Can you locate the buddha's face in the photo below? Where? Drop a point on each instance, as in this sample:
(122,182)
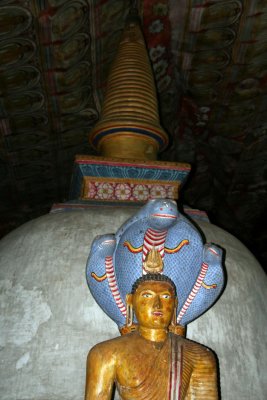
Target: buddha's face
(153,304)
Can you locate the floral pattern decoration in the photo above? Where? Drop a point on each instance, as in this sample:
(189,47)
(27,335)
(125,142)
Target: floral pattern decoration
(124,191)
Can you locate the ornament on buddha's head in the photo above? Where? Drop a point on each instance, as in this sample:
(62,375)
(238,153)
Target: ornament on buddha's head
(153,262)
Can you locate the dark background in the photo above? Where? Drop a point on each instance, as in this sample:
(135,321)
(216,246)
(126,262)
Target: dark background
(210,65)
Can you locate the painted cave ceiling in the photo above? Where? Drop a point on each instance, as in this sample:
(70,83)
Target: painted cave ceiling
(210,65)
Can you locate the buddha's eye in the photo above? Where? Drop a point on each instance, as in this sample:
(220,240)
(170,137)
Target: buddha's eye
(146,295)
(166,296)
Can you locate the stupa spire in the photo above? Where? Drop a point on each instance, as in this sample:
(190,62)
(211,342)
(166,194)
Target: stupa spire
(129,126)
(128,135)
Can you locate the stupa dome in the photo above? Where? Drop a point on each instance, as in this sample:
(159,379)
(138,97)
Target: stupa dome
(49,319)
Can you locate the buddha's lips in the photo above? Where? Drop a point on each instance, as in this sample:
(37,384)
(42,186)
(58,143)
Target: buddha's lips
(158,313)
(164,216)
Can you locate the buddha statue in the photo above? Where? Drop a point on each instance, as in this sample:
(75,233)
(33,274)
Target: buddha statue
(153,277)
(151,362)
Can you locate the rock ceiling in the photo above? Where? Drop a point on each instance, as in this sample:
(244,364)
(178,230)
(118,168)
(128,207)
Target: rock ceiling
(210,64)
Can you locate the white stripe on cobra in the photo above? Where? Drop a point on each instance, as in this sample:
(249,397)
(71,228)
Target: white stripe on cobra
(175,379)
(154,238)
(213,251)
(194,291)
(113,285)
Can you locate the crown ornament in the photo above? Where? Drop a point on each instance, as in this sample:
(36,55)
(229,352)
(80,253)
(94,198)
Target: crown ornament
(158,239)
(153,262)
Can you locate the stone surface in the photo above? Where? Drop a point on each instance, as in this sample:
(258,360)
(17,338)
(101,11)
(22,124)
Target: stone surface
(49,320)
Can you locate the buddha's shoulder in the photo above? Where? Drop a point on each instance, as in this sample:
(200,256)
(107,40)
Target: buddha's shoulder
(197,350)
(113,346)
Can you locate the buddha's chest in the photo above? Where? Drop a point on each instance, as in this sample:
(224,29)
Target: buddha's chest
(155,375)
(135,368)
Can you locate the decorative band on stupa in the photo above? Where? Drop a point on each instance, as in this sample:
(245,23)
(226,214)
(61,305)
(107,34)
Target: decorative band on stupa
(129,126)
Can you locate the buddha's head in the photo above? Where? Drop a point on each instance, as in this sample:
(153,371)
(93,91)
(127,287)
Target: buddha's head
(154,301)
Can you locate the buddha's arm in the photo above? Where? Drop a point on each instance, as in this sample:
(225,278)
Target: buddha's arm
(203,383)
(100,374)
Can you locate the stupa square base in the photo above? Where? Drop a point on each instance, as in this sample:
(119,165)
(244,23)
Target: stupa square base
(102,179)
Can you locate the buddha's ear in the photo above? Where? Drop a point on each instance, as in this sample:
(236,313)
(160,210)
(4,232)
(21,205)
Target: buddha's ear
(174,316)
(129,310)
(129,299)
(176,302)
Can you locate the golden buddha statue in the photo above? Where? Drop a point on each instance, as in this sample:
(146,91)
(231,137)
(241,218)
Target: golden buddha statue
(151,363)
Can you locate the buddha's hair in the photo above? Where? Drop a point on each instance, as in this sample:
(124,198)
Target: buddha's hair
(153,278)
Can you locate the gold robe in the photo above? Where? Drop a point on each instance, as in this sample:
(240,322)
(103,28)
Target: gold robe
(182,370)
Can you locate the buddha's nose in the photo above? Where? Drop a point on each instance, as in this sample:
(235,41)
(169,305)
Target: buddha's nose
(157,302)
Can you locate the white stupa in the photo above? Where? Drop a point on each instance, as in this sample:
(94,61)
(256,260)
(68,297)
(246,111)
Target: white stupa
(49,320)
